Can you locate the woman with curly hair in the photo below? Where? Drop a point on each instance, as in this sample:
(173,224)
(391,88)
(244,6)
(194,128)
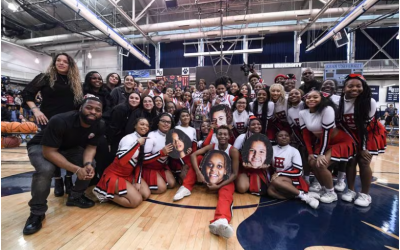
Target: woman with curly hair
(317,120)
(357,115)
(113,80)
(61,91)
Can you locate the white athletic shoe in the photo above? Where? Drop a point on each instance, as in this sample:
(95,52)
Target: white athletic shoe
(222,228)
(363,200)
(182,193)
(340,186)
(315,187)
(328,197)
(349,195)
(314,195)
(312,202)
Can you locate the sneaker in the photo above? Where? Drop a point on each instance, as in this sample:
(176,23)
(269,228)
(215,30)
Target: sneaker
(102,198)
(311,201)
(363,200)
(314,195)
(33,224)
(181,193)
(315,187)
(328,197)
(340,186)
(349,195)
(82,201)
(222,228)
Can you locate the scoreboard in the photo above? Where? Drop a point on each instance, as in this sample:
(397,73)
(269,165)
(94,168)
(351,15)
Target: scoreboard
(339,71)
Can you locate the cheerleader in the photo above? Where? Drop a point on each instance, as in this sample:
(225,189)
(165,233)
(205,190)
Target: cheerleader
(198,94)
(249,179)
(296,104)
(245,90)
(187,100)
(287,181)
(156,173)
(201,110)
(222,96)
(257,87)
(117,182)
(204,131)
(263,109)
(234,90)
(357,115)
(213,91)
(318,120)
(277,92)
(290,83)
(241,114)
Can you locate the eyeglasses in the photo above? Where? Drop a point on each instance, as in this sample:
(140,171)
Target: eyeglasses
(96,78)
(165,122)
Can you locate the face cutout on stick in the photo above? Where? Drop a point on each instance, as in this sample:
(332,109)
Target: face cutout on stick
(221,115)
(180,141)
(216,166)
(257,150)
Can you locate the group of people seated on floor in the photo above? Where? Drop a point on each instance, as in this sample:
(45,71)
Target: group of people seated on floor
(230,126)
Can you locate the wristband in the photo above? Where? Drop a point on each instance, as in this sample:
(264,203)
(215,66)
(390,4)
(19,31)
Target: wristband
(87,163)
(34,108)
(76,172)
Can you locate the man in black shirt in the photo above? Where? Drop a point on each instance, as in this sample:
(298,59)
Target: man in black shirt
(309,81)
(69,142)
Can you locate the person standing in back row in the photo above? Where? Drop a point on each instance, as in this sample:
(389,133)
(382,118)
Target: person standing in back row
(309,81)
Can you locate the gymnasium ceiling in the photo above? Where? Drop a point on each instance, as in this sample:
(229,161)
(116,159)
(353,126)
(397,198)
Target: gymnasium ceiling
(41,18)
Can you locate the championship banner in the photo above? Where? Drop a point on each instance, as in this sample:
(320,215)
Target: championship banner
(392,94)
(175,80)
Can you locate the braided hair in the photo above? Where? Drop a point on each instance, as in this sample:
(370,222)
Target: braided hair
(264,112)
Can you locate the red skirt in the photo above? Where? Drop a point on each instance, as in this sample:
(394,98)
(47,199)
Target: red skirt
(376,142)
(342,147)
(300,183)
(254,175)
(149,173)
(107,184)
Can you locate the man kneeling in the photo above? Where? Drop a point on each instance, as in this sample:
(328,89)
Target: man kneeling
(60,145)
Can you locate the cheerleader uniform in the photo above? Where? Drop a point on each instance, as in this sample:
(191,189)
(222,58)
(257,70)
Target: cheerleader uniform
(253,174)
(176,164)
(342,145)
(202,111)
(197,95)
(225,100)
(281,114)
(286,161)
(270,118)
(151,93)
(155,161)
(241,121)
(294,122)
(375,142)
(225,193)
(122,168)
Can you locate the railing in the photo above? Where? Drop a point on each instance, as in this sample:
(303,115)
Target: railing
(373,65)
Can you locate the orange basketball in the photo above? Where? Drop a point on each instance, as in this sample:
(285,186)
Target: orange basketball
(11,142)
(13,127)
(4,126)
(28,127)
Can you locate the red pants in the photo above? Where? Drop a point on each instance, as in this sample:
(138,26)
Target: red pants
(225,193)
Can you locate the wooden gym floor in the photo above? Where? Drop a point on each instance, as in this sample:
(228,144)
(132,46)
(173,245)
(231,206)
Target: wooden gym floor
(162,224)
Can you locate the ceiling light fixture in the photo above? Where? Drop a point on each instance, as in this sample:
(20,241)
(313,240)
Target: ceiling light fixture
(12,7)
(37,60)
(89,55)
(299,40)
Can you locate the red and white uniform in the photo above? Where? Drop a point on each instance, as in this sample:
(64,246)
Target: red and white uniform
(375,143)
(225,193)
(270,124)
(122,168)
(286,161)
(322,124)
(281,115)
(294,120)
(253,174)
(241,121)
(151,93)
(226,99)
(197,95)
(155,161)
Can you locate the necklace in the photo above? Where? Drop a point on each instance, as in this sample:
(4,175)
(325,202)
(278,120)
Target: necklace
(64,80)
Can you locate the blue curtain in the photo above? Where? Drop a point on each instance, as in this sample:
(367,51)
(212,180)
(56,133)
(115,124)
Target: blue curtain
(277,48)
(172,55)
(324,52)
(365,49)
(132,63)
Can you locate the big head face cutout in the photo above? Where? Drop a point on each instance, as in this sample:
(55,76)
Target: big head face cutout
(257,150)
(221,115)
(180,141)
(216,166)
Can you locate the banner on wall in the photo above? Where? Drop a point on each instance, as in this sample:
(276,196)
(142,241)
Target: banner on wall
(392,94)
(175,80)
(375,92)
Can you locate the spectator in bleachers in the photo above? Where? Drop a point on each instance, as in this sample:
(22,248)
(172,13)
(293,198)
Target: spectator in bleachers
(5,114)
(14,113)
(395,120)
(387,118)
